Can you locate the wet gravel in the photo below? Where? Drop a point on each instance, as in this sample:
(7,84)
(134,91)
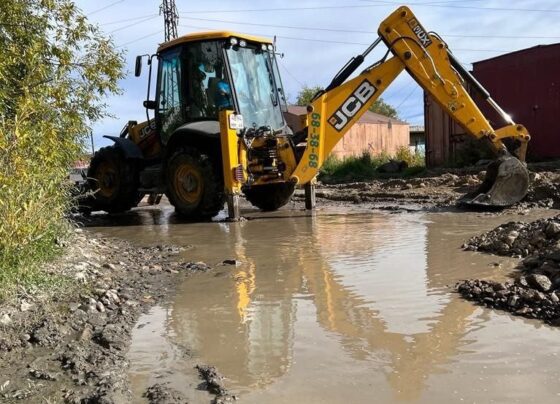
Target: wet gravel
(71,346)
(535,291)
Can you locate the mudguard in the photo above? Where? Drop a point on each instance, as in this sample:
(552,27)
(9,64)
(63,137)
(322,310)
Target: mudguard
(128,147)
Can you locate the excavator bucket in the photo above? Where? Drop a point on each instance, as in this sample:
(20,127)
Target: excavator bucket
(506,183)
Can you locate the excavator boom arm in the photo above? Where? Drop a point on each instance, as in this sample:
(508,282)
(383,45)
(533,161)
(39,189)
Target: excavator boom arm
(427,59)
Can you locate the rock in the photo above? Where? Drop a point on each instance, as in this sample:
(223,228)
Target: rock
(540,282)
(25,306)
(513,301)
(163,394)
(113,336)
(86,334)
(554,297)
(231,262)
(5,319)
(393,166)
(552,229)
(212,378)
(81,277)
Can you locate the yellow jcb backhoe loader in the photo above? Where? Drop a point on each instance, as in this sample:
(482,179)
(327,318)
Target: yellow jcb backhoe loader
(219,129)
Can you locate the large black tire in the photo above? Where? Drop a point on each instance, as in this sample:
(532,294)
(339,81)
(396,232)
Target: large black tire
(194,184)
(270,196)
(113,180)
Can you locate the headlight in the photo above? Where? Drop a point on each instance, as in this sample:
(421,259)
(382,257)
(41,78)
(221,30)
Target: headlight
(243,43)
(233,41)
(263,46)
(270,47)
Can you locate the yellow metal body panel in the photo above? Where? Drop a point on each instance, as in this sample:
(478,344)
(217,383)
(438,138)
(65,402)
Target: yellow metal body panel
(425,57)
(230,153)
(205,36)
(146,138)
(337,110)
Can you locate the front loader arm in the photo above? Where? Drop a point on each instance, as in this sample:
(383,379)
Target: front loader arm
(426,58)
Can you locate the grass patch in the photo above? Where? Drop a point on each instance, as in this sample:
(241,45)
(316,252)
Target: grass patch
(365,167)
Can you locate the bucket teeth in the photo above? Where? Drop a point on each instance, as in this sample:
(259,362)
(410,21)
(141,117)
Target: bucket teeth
(506,183)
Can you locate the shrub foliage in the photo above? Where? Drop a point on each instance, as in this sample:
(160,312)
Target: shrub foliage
(55,70)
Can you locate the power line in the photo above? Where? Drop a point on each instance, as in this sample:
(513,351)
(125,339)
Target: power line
(128,19)
(105,7)
(407,97)
(290,73)
(139,39)
(361,31)
(340,42)
(133,24)
(380,2)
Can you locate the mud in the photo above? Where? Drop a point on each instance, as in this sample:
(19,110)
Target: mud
(72,346)
(438,189)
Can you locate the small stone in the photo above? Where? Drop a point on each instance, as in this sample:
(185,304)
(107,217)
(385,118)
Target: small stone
(5,319)
(100,307)
(513,300)
(554,297)
(231,262)
(25,306)
(109,266)
(86,334)
(80,277)
(552,229)
(540,282)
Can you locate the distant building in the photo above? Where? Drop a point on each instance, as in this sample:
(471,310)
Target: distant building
(373,133)
(526,84)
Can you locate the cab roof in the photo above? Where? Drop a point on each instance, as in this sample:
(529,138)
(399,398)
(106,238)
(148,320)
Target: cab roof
(208,35)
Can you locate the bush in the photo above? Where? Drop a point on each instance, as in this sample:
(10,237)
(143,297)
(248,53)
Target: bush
(365,166)
(55,71)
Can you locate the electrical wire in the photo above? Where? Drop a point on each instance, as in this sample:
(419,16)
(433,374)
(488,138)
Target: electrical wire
(381,2)
(333,41)
(290,73)
(349,31)
(104,8)
(139,39)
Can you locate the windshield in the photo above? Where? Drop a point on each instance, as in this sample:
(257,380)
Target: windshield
(255,87)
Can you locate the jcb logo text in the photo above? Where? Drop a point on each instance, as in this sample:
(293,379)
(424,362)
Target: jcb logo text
(352,105)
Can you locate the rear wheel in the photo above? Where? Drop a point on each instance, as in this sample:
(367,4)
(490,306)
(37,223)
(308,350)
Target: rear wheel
(194,186)
(270,196)
(113,179)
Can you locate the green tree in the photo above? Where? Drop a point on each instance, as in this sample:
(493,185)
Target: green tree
(383,108)
(55,71)
(307,93)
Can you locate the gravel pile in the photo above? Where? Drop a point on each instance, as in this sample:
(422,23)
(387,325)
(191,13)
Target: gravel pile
(518,239)
(535,292)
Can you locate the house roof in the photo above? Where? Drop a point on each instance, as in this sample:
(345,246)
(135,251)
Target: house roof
(367,117)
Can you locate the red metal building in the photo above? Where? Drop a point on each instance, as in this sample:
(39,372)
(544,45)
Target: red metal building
(526,84)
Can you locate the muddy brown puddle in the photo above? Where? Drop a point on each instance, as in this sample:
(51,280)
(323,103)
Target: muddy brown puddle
(340,307)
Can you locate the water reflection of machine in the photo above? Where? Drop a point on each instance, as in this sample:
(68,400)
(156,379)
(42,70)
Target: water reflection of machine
(249,334)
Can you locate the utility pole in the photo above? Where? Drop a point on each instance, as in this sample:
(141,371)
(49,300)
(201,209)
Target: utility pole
(170,18)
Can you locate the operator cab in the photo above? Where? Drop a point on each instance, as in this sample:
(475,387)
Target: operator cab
(201,74)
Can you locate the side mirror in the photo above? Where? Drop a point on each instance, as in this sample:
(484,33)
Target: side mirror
(149,104)
(138,66)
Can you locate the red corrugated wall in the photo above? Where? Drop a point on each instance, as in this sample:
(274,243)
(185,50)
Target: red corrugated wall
(526,84)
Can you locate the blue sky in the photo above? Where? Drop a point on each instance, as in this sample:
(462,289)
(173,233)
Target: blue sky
(320,37)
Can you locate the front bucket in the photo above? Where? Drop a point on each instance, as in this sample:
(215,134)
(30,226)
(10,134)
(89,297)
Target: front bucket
(506,183)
